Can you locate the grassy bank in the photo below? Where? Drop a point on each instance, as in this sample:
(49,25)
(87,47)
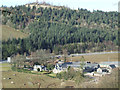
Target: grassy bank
(8,32)
(96,58)
(5,67)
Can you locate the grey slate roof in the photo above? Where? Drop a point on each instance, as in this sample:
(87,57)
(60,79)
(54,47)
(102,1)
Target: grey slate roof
(77,65)
(112,66)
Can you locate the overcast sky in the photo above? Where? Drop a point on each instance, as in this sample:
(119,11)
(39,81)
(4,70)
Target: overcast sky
(104,5)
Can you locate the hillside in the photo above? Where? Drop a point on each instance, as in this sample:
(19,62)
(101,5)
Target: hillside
(62,29)
(8,32)
(22,16)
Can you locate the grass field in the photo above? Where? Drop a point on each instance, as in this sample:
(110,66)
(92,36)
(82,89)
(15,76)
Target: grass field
(5,67)
(52,75)
(96,58)
(26,80)
(39,73)
(8,32)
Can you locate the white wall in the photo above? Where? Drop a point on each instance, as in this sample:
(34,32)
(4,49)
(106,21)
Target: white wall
(9,59)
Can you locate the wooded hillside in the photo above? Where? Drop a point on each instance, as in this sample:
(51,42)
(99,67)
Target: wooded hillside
(77,31)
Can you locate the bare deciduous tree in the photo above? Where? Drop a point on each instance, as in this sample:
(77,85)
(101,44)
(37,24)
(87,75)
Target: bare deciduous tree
(65,54)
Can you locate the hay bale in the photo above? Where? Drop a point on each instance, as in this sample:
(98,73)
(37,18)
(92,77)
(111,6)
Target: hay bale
(38,83)
(12,82)
(4,78)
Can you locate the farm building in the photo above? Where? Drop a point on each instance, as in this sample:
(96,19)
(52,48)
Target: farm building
(92,65)
(59,67)
(107,69)
(39,68)
(89,69)
(106,64)
(112,66)
(102,70)
(9,59)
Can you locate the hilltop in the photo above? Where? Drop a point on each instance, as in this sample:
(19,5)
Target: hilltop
(26,14)
(43,5)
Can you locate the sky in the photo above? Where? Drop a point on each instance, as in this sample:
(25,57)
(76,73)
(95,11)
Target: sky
(104,5)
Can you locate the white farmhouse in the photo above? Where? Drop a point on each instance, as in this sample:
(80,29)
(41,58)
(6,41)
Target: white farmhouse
(102,70)
(58,68)
(88,67)
(39,68)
